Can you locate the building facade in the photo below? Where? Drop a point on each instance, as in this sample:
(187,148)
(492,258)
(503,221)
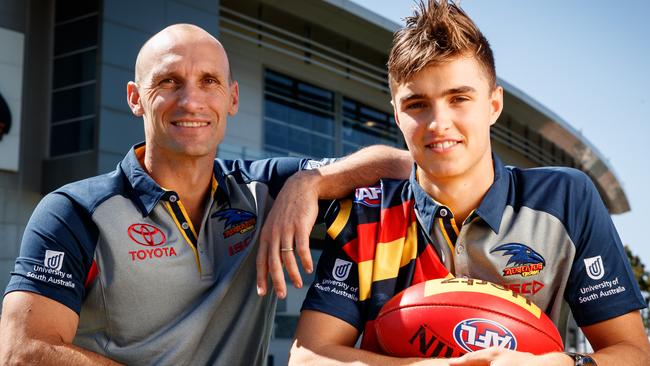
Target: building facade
(312,83)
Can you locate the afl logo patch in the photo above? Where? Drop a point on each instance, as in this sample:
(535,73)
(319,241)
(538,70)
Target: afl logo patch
(368,196)
(475,334)
(147,235)
(341,269)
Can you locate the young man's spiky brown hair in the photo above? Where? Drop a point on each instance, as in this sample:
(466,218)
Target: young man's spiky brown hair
(437,32)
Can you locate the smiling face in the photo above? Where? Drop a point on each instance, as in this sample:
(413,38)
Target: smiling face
(183,92)
(445,112)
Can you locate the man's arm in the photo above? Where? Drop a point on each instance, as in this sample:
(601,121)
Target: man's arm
(618,341)
(322,339)
(35,330)
(295,209)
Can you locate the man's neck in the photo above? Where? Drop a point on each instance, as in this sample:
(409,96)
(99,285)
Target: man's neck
(462,194)
(189,177)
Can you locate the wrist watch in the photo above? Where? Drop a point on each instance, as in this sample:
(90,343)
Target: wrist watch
(581,360)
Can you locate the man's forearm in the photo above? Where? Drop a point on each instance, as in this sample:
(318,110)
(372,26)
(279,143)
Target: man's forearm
(38,352)
(363,168)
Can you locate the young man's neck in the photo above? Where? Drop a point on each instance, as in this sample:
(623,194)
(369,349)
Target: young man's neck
(189,177)
(462,194)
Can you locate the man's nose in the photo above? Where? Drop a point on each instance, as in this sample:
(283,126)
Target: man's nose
(192,97)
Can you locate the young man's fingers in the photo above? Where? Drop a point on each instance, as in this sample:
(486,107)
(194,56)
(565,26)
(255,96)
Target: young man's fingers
(275,259)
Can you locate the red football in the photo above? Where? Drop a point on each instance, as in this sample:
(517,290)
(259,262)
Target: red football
(450,317)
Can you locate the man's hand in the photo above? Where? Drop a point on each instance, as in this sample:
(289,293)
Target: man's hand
(289,223)
(286,232)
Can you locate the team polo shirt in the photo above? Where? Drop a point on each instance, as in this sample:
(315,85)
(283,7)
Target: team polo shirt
(544,233)
(150,288)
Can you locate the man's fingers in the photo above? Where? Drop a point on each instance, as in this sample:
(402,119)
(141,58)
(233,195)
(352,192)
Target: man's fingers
(261,265)
(302,249)
(291,265)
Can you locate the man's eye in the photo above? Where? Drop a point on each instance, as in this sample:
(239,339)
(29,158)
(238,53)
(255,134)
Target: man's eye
(167,82)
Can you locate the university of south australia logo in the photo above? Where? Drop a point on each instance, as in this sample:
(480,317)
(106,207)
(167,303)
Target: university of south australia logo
(341,269)
(523,260)
(594,267)
(53,259)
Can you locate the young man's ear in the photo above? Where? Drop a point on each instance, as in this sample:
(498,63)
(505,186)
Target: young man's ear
(133,98)
(395,114)
(496,104)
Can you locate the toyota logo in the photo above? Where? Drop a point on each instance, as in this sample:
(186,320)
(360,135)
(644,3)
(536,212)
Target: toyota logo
(147,235)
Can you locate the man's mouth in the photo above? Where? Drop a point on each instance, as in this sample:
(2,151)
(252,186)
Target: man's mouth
(190,124)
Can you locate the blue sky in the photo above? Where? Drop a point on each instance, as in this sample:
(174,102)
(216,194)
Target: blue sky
(587,61)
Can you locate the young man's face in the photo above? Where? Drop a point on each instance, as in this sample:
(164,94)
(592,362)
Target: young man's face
(445,113)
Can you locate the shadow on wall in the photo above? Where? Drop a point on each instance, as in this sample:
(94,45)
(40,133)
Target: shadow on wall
(5,117)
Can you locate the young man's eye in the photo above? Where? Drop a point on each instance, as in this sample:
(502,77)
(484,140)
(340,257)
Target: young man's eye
(414,106)
(459,99)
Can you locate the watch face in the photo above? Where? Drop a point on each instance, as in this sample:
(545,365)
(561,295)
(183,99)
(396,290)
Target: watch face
(584,360)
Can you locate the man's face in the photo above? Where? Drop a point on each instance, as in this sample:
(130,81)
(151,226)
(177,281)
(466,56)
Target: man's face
(445,113)
(184,96)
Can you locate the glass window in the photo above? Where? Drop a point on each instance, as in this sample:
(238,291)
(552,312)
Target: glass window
(72,137)
(74,69)
(76,33)
(364,125)
(72,103)
(299,118)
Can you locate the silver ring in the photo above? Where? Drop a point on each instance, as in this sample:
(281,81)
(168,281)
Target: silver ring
(286,249)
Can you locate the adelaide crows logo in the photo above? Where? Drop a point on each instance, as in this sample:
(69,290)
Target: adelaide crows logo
(523,260)
(237,221)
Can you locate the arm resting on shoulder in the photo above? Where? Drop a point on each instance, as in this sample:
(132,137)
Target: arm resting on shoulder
(36,330)
(295,209)
(322,340)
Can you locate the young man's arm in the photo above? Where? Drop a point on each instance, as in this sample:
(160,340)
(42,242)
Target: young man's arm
(322,339)
(36,330)
(295,209)
(617,341)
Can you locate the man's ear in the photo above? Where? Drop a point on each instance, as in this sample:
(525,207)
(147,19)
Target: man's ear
(234,98)
(133,98)
(496,104)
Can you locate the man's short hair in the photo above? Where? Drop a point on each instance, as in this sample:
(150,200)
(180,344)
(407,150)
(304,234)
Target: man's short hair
(437,32)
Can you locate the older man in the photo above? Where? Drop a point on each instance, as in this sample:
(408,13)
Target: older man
(154,263)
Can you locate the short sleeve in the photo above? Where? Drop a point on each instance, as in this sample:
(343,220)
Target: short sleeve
(335,290)
(601,285)
(56,252)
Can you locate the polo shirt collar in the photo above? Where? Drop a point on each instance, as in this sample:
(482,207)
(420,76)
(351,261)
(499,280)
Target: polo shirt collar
(494,203)
(146,192)
(490,209)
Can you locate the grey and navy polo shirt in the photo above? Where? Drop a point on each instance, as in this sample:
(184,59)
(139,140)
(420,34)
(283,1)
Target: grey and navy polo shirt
(544,233)
(150,288)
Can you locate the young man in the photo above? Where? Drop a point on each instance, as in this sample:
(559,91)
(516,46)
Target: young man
(154,263)
(462,212)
